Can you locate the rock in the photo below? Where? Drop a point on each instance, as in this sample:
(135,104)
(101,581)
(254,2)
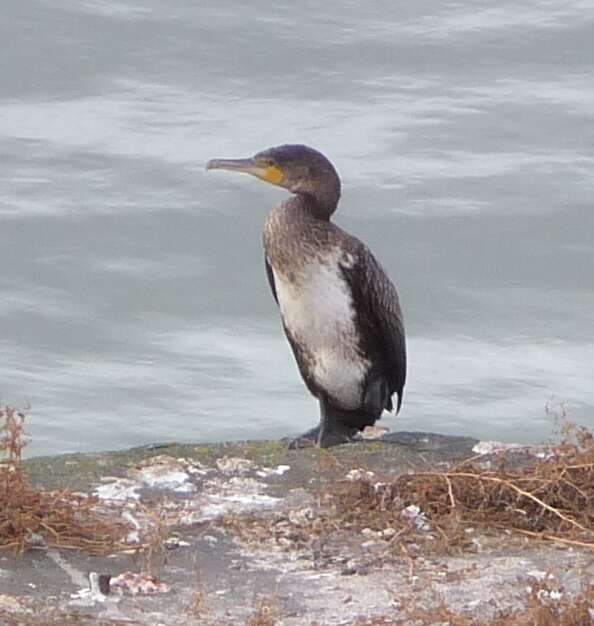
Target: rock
(13,604)
(235,465)
(414,513)
(265,472)
(163,472)
(119,489)
(373,432)
(360,473)
(138,583)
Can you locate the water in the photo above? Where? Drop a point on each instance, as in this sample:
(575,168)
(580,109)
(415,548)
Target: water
(133,302)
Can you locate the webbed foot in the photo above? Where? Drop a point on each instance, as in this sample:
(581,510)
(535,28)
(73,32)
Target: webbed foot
(307,439)
(335,434)
(325,435)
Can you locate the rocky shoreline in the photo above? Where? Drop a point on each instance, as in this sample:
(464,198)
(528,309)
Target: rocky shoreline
(225,522)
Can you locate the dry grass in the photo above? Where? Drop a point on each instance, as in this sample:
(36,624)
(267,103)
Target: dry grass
(158,520)
(551,499)
(266,613)
(32,517)
(197,605)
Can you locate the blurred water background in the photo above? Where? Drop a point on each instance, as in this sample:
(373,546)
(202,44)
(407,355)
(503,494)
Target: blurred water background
(133,302)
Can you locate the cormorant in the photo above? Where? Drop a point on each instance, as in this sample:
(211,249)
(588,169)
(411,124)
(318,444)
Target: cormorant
(339,310)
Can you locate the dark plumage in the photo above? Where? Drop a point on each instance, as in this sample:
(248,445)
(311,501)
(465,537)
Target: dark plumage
(340,312)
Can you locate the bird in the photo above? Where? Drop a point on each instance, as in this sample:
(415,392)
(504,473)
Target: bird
(339,310)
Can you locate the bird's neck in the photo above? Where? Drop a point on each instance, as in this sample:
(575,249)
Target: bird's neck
(320,204)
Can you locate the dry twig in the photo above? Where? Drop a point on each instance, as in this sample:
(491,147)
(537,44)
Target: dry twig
(32,517)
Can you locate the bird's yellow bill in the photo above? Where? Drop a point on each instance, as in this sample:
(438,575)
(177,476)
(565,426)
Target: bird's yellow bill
(269,173)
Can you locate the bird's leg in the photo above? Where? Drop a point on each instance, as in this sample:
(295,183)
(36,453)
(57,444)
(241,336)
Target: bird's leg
(329,432)
(333,431)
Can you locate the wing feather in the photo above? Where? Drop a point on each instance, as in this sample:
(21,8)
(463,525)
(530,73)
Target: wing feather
(270,275)
(379,310)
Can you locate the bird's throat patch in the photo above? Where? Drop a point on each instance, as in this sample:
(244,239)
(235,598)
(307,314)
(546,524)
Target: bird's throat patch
(273,175)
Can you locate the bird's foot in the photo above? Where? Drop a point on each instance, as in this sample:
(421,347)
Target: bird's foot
(324,435)
(307,439)
(334,433)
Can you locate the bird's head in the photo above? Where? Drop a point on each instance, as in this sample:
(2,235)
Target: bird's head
(300,169)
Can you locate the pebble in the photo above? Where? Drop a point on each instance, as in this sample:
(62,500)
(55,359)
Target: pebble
(235,465)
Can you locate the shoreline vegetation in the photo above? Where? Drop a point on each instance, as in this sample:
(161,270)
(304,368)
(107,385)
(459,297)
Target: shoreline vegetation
(357,504)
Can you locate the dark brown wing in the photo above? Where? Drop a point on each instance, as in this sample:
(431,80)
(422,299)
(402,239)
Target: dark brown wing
(378,309)
(270,275)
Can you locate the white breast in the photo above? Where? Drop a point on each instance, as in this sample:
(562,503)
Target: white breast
(317,309)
